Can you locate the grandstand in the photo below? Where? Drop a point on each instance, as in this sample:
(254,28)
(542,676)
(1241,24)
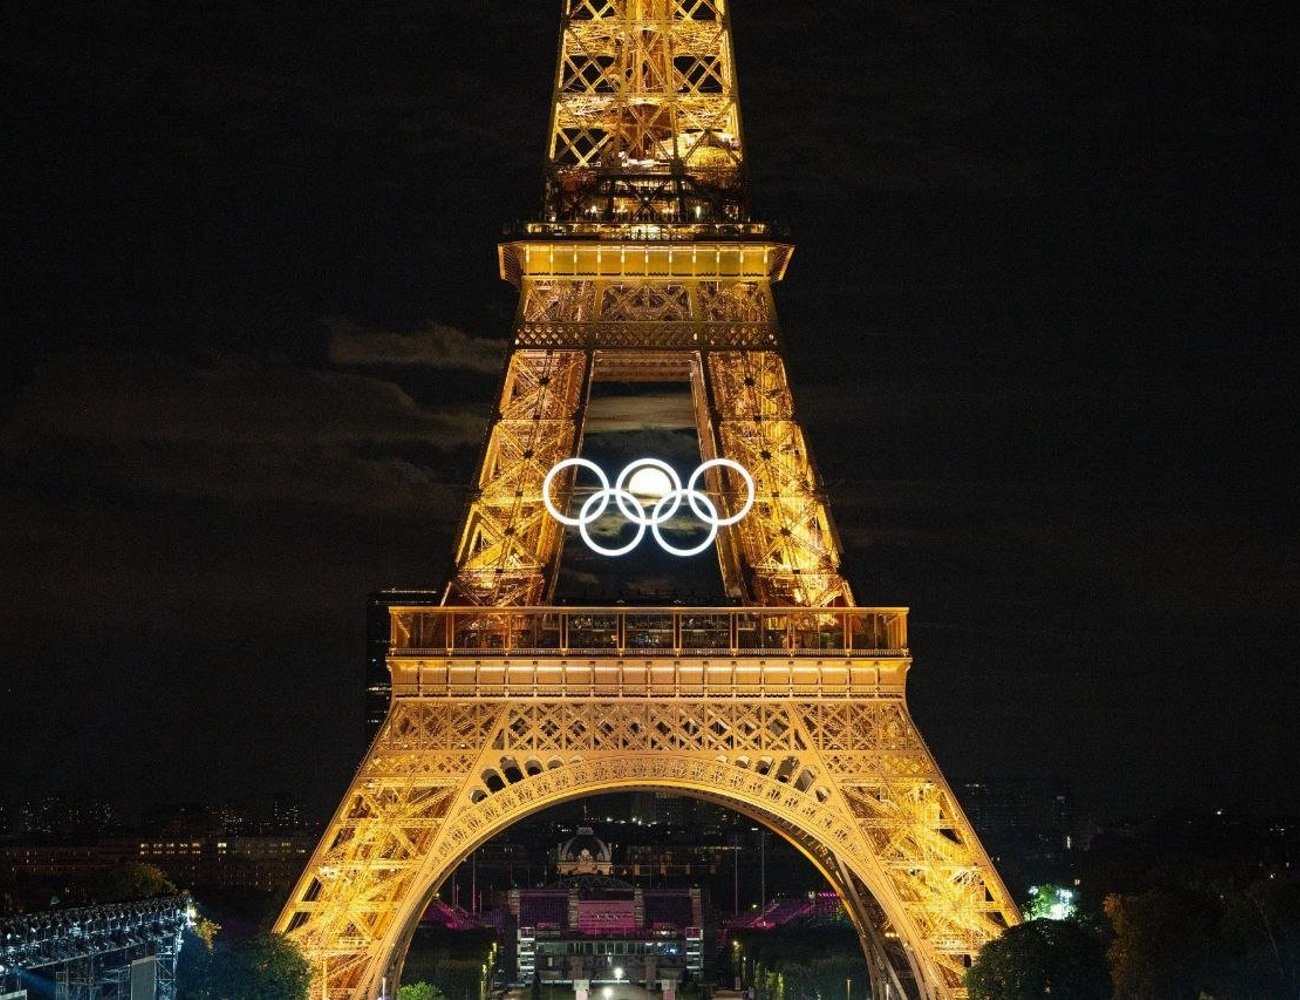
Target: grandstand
(803,910)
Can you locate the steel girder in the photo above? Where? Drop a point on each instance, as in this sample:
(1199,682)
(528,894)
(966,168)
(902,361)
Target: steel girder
(784,552)
(850,782)
(647,79)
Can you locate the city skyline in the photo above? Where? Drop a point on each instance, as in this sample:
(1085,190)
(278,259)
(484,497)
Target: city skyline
(1034,322)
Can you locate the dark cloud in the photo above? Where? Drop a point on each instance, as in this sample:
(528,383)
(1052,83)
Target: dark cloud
(246,399)
(665,411)
(135,480)
(437,346)
(200,528)
(233,430)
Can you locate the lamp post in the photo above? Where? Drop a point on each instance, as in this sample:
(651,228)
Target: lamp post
(762,867)
(848,987)
(735,881)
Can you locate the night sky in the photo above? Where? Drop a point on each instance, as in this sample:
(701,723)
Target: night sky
(1039,323)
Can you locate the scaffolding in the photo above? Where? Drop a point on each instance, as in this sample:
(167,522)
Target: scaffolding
(95,952)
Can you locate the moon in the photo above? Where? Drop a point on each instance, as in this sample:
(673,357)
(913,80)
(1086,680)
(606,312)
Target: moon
(649,481)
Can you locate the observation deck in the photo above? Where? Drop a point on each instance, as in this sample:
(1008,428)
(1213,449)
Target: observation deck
(650,652)
(644,251)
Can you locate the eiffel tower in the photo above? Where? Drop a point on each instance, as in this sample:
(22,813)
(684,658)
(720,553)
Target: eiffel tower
(785,702)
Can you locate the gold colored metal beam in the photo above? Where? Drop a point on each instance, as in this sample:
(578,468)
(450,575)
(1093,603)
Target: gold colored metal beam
(850,779)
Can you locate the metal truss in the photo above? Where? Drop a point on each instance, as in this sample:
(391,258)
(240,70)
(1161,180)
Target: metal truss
(820,748)
(645,121)
(703,313)
(789,704)
(786,549)
(508,543)
(88,950)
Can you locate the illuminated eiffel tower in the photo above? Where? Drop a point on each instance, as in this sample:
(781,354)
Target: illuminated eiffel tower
(788,703)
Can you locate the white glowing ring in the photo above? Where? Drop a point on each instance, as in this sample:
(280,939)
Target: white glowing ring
(585,517)
(603,495)
(712,521)
(712,516)
(634,509)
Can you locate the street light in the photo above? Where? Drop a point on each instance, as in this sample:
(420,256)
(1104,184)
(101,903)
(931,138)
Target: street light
(735,882)
(848,987)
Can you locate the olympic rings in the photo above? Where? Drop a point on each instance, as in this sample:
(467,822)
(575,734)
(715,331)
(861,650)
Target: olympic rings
(632,508)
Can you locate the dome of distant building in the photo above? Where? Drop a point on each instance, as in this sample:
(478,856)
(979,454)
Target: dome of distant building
(584,854)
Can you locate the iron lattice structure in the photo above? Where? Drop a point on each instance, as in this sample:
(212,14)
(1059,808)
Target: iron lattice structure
(790,705)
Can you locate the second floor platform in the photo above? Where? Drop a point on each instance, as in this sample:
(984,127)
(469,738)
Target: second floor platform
(626,651)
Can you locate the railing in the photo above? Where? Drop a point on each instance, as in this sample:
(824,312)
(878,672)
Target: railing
(631,230)
(650,632)
(658,335)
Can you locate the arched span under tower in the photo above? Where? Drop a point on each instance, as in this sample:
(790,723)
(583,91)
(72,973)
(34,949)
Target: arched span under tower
(794,717)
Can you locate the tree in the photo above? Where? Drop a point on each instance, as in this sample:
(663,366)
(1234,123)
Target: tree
(420,991)
(205,929)
(194,967)
(129,881)
(264,967)
(269,967)
(1260,930)
(1053,902)
(1167,943)
(1042,957)
(195,972)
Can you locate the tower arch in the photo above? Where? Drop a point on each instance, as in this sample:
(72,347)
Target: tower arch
(840,772)
(768,801)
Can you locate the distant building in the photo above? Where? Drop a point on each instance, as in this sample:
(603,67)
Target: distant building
(1033,820)
(379,686)
(590,926)
(674,810)
(233,818)
(55,816)
(643,808)
(287,813)
(670,809)
(583,854)
(259,863)
(40,871)
(181,819)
